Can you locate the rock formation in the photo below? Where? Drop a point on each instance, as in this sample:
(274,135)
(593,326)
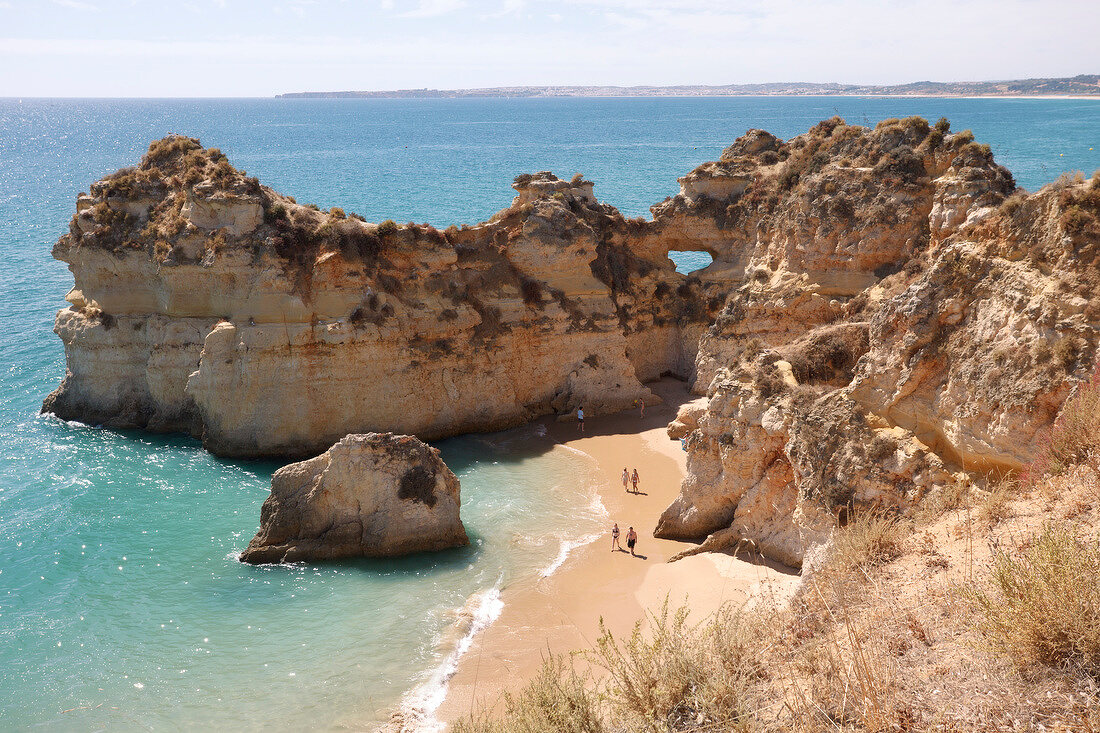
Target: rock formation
(908,319)
(207,303)
(373,495)
(886,313)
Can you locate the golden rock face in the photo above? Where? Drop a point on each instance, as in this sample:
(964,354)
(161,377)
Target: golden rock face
(884,313)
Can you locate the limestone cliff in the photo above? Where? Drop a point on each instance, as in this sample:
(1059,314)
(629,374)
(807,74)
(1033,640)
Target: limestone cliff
(374,495)
(908,319)
(886,313)
(205,302)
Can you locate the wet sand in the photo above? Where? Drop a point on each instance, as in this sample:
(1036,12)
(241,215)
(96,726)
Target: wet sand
(562,612)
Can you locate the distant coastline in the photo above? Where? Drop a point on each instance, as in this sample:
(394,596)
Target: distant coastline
(1081,86)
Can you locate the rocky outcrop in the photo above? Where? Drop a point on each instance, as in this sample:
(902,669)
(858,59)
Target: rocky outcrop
(207,303)
(373,495)
(907,320)
(885,314)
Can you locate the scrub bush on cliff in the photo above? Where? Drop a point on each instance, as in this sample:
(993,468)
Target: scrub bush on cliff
(1042,605)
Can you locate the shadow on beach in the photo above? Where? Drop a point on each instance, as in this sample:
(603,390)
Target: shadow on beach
(542,434)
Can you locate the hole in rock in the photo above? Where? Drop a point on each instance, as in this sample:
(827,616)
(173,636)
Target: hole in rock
(687,262)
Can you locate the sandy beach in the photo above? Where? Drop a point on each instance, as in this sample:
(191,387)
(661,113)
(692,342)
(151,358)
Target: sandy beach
(561,613)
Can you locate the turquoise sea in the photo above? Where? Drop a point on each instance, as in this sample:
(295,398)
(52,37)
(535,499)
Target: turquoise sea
(121,604)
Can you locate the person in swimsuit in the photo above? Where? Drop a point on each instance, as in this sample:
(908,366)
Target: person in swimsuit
(631,540)
(643,407)
(634,480)
(580,418)
(626,478)
(615,538)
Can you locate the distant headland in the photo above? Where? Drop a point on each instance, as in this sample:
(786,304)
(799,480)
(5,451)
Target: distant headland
(1083,85)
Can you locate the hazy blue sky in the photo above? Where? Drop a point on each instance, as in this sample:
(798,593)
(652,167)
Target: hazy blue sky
(259,48)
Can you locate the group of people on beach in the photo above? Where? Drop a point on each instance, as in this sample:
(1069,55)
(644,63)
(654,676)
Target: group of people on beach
(630,479)
(631,539)
(630,485)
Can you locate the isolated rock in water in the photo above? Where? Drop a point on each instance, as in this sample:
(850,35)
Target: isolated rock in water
(372,495)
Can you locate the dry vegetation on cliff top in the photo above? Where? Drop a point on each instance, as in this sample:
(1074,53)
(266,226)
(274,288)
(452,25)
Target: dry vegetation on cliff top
(981,613)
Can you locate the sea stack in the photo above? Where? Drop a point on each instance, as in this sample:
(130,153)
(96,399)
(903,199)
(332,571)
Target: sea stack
(372,495)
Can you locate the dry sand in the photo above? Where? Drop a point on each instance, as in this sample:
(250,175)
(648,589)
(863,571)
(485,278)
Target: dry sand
(561,613)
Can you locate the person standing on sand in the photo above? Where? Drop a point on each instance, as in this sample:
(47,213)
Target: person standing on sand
(615,538)
(626,478)
(580,418)
(631,540)
(642,402)
(634,480)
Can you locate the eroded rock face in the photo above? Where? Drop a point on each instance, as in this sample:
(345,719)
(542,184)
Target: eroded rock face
(885,314)
(373,495)
(907,320)
(207,303)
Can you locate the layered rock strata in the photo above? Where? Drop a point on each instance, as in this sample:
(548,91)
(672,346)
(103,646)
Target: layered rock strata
(886,314)
(908,319)
(207,303)
(374,495)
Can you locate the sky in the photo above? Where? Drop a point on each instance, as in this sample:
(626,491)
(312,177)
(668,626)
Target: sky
(215,48)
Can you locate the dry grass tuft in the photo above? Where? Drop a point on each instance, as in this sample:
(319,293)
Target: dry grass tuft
(869,540)
(673,677)
(557,699)
(678,677)
(1042,604)
(994,507)
(1075,438)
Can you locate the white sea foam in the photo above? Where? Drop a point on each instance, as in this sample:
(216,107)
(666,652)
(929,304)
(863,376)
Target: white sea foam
(420,705)
(596,511)
(566,547)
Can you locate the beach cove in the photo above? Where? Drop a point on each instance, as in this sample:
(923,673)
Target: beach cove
(561,612)
(121,602)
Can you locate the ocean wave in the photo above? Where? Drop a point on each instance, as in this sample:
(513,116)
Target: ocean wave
(566,547)
(417,710)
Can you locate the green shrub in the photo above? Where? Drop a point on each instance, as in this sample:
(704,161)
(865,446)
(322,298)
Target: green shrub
(276,212)
(962,138)
(917,125)
(388,227)
(337,213)
(943,126)
(788,179)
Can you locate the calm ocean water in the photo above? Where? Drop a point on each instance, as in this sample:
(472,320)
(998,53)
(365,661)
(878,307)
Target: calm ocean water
(121,605)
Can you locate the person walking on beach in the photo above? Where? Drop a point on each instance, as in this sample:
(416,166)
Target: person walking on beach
(631,540)
(626,479)
(580,418)
(615,538)
(634,480)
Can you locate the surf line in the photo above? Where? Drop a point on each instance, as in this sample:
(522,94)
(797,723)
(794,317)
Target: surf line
(417,710)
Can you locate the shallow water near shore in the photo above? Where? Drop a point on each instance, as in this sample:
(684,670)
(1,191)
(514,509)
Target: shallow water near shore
(121,603)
